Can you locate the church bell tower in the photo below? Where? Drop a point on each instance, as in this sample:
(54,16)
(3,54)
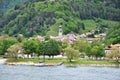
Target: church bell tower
(60,31)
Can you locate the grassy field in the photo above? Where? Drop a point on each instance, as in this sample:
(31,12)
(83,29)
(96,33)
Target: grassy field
(58,60)
(37,60)
(87,62)
(89,25)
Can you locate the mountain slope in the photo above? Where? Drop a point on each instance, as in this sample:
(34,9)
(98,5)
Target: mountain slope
(5,5)
(44,16)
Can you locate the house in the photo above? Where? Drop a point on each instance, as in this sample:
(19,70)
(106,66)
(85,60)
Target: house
(83,36)
(70,37)
(116,45)
(110,47)
(102,35)
(90,40)
(40,38)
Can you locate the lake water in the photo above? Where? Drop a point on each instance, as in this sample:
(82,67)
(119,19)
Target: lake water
(58,73)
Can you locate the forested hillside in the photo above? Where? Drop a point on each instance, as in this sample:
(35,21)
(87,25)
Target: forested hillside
(113,35)
(44,16)
(5,5)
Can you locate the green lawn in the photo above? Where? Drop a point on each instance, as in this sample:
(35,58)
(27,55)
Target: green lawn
(57,60)
(87,62)
(36,60)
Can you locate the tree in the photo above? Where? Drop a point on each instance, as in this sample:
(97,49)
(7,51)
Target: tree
(97,51)
(94,51)
(115,54)
(20,37)
(101,52)
(71,53)
(88,52)
(13,51)
(47,38)
(96,43)
(42,50)
(6,43)
(52,48)
(81,45)
(113,35)
(3,37)
(30,46)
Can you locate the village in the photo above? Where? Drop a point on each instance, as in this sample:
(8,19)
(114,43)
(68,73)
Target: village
(71,38)
(71,47)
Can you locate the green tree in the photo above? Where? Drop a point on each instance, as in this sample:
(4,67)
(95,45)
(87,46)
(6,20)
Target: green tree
(3,37)
(96,43)
(113,35)
(20,37)
(101,52)
(30,46)
(52,48)
(88,52)
(94,51)
(97,51)
(71,54)
(47,38)
(6,43)
(13,51)
(81,45)
(42,50)
(115,54)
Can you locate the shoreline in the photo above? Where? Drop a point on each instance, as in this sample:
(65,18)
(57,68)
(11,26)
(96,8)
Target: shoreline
(54,64)
(95,65)
(30,63)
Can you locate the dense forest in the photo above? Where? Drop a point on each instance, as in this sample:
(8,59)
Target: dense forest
(8,4)
(44,16)
(113,35)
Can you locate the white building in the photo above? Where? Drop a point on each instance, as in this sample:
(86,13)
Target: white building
(60,31)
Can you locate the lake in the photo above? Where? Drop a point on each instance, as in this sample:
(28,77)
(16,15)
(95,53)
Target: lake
(58,73)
